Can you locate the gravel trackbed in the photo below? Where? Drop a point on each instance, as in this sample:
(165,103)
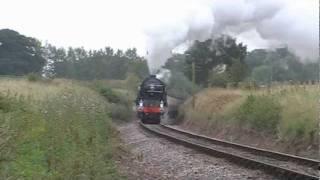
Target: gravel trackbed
(151,157)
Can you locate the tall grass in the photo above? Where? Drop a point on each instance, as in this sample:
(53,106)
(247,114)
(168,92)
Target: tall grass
(59,130)
(121,100)
(287,114)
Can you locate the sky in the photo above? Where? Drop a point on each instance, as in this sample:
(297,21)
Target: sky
(158,26)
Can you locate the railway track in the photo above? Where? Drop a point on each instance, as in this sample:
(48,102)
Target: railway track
(282,165)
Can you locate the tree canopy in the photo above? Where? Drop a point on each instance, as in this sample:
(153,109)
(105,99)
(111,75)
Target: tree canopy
(213,52)
(19,54)
(280,65)
(78,63)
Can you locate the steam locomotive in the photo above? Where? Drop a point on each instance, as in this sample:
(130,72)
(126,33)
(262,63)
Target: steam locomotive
(151,100)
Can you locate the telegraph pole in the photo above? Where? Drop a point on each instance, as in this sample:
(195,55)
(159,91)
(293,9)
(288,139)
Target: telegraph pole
(193,72)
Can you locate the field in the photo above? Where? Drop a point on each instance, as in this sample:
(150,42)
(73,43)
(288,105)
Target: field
(55,130)
(282,118)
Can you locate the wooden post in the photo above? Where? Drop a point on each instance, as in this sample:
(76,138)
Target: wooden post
(193,83)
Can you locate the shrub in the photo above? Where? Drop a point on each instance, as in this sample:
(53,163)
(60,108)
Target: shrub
(121,108)
(5,105)
(120,112)
(261,112)
(219,80)
(179,86)
(33,77)
(109,94)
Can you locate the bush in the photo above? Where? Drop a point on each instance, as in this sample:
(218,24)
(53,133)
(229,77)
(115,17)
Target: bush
(33,77)
(5,105)
(261,112)
(120,99)
(179,86)
(109,94)
(120,112)
(219,80)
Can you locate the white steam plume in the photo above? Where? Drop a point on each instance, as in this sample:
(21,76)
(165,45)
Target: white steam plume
(271,23)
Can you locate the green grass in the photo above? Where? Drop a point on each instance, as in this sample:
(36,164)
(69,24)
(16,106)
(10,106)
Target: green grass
(286,114)
(261,112)
(59,130)
(121,100)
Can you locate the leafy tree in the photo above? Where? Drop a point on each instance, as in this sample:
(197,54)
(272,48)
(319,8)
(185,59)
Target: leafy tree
(131,54)
(219,79)
(176,63)
(256,58)
(280,65)
(119,53)
(19,55)
(237,71)
(208,54)
(77,63)
(262,74)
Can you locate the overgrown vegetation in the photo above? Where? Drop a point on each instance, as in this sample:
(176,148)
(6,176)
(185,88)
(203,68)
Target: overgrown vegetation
(283,117)
(33,77)
(59,130)
(120,96)
(180,87)
(261,112)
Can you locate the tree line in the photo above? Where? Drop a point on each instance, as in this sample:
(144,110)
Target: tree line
(217,62)
(222,60)
(21,55)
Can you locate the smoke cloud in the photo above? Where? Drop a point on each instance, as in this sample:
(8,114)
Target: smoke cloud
(258,23)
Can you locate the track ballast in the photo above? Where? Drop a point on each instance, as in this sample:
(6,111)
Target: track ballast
(282,165)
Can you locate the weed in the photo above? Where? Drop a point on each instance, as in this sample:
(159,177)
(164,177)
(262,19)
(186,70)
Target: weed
(63,132)
(285,114)
(33,77)
(262,112)
(109,94)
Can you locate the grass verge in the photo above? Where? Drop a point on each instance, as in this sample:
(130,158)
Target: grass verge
(57,130)
(282,118)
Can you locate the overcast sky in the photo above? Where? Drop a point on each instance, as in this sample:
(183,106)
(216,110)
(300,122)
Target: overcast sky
(139,23)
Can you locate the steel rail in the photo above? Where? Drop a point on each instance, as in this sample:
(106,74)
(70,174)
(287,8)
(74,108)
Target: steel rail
(263,152)
(281,172)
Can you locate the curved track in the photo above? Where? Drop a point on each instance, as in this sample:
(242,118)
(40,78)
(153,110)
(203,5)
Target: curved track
(284,166)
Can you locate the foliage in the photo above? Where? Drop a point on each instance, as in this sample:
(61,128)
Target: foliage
(62,135)
(213,52)
(176,63)
(120,107)
(78,63)
(282,117)
(109,94)
(219,79)
(300,116)
(120,112)
(237,71)
(280,65)
(19,55)
(262,74)
(262,112)
(32,77)
(179,86)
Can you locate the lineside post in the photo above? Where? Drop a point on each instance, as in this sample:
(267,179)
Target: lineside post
(193,83)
